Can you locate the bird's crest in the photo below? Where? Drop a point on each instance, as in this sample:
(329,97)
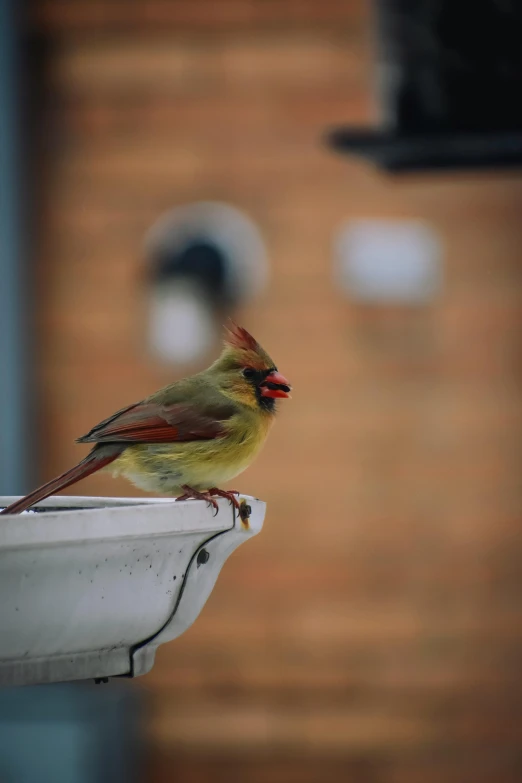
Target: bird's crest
(252,354)
(238,337)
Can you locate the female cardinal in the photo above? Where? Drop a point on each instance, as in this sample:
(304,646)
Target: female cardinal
(191,436)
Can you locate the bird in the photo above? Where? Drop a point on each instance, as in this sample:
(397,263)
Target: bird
(190,436)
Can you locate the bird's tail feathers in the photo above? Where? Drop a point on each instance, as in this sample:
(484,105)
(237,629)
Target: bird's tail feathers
(98,458)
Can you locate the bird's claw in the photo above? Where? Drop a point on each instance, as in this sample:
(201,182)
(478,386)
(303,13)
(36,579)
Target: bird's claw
(228,494)
(208,496)
(194,494)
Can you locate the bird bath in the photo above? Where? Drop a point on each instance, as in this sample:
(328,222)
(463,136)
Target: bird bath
(89,587)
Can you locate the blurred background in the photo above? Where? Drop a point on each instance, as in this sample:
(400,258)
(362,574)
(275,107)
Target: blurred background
(165,166)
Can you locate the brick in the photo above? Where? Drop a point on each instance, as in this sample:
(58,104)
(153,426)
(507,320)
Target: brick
(371,632)
(63,17)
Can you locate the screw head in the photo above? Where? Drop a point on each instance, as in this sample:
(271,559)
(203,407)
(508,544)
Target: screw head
(203,557)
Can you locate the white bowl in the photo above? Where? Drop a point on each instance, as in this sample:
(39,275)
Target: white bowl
(89,587)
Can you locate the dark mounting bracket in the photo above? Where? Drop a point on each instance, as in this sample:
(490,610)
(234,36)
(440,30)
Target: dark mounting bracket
(450,74)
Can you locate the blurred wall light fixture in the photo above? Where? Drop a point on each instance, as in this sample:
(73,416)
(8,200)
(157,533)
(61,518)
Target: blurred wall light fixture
(205,259)
(388,261)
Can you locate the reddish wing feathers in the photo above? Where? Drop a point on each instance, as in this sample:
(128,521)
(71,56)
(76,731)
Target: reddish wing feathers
(155,423)
(87,438)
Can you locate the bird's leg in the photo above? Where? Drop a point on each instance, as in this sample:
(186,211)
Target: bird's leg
(194,494)
(228,494)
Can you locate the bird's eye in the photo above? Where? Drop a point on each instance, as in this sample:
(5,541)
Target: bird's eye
(248,373)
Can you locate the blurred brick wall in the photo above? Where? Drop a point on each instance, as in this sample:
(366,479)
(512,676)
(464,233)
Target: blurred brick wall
(372,632)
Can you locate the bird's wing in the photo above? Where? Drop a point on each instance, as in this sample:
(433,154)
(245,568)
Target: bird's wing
(153,422)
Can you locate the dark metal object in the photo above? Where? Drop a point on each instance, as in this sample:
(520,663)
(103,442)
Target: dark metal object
(426,152)
(203,557)
(450,77)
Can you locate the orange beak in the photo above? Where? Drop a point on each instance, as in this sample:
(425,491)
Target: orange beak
(275,385)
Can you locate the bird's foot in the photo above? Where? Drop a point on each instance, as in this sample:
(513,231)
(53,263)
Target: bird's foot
(228,494)
(194,494)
